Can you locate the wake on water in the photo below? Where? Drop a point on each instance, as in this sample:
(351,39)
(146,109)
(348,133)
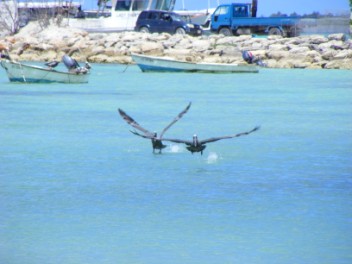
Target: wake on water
(176,148)
(212,158)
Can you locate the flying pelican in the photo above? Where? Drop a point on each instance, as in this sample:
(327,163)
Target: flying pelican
(196,145)
(52,64)
(153,136)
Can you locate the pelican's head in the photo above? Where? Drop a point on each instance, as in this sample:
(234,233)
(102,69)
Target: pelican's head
(195,140)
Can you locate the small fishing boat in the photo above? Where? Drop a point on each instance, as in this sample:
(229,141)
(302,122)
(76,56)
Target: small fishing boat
(159,64)
(19,72)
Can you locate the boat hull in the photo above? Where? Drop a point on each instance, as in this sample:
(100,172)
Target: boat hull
(18,72)
(157,64)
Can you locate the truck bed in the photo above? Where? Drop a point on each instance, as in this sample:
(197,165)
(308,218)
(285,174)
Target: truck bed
(264,21)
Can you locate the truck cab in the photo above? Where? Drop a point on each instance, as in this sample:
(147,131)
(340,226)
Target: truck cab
(224,14)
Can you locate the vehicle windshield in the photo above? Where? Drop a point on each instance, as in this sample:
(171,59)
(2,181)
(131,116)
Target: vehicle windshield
(177,17)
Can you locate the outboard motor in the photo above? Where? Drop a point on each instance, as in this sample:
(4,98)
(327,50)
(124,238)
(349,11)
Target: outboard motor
(247,56)
(250,58)
(70,63)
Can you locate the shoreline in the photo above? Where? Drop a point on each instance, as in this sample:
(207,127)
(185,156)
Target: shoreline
(308,51)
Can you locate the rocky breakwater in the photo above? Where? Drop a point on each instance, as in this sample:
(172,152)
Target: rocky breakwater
(313,51)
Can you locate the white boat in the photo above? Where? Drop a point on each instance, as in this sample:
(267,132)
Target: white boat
(19,72)
(162,64)
(122,16)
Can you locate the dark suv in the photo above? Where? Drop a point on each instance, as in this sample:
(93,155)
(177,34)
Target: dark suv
(163,21)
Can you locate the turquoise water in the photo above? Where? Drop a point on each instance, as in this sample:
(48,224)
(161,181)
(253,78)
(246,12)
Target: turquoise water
(77,187)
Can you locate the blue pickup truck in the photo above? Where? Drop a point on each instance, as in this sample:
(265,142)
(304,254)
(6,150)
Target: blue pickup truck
(236,19)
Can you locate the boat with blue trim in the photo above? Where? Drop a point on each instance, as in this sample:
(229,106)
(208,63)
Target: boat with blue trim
(163,64)
(20,72)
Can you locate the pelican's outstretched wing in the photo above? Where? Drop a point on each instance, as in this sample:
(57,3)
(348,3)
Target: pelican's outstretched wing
(187,142)
(176,119)
(140,135)
(204,141)
(133,123)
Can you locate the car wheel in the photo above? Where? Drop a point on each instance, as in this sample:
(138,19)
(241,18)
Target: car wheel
(293,32)
(144,30)
(225,31)
(275,31)
(180,31)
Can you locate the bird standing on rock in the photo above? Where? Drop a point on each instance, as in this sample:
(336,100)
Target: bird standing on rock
(153,136)
(196,145)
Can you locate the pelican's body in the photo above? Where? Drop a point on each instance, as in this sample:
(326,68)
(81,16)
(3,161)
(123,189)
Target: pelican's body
(195,146)
(157,144)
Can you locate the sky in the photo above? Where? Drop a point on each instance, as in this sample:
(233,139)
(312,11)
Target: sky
(265,7)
